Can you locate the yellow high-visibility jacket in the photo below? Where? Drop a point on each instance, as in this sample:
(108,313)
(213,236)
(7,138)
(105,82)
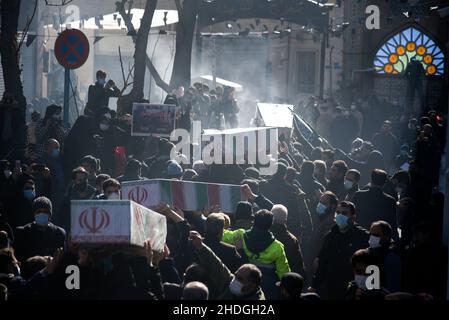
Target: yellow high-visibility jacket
(273,255)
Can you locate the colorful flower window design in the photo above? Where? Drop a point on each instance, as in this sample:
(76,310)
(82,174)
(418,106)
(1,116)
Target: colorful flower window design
(394,56)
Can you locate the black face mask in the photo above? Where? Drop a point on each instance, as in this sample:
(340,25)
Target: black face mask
(80,187)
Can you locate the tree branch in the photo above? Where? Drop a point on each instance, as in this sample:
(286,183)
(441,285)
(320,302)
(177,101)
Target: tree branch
(27,27)
(63,3)
(125,80)
(120,6)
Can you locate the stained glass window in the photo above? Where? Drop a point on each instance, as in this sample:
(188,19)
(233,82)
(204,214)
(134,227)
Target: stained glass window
(394,56)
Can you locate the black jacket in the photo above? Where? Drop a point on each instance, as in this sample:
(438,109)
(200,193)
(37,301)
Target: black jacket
(351,193)
(373,205)
(227,253)
(334,268)
(310,185)
(338,188)
(291,247)
(299,221)
(98,97)
(33,241)
(83,130)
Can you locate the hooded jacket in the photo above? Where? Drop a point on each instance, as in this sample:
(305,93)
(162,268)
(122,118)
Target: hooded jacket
(261,248)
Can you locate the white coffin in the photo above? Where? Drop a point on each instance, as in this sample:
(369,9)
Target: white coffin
(116,222)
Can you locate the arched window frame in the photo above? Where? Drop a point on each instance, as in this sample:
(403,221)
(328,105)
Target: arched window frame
(395,53)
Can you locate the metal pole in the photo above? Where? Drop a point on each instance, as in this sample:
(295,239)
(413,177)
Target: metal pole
(66,95)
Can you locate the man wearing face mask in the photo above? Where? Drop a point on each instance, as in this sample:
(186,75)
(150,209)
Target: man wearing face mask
(78,190)
(385,255)
(107,139)
(357,289)
(374,204)
(323,223)
(336,179)
(401,183)
(334,269)
(111,190)
(41,237)
(91,164)
(50,127)
(18,208)
(387,143)
(99,94)
(352,180)
(410,133)
(7,183)
(52,160)
(244,284)
(403,158)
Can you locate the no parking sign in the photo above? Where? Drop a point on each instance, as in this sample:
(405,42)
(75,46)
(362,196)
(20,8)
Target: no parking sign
(71,51)
(71,48)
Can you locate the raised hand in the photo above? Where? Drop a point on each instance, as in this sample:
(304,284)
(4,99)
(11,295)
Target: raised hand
(196,239)
(54,261)
(247,192)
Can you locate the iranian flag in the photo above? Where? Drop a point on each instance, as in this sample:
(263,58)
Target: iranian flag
(185,195)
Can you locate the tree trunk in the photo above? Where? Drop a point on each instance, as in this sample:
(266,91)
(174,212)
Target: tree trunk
(185,29)
(9,11)
(8,48)
(140,53)
(124,103)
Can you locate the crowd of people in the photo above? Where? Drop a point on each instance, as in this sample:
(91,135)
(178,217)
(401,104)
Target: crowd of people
(365,193)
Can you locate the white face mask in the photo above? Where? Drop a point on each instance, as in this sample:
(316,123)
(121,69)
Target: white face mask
(7,173)
(348,184)
(374,242)
(114,196)
(360,281)
(104,127)
(236,287)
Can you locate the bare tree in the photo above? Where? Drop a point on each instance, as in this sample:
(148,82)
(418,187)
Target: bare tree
(10,59)
(187,13)
(132,31)
(181,74)
(141,58)
(126,82)
(9,50)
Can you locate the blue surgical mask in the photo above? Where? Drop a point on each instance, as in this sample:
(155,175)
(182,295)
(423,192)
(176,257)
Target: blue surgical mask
(342,221)
(42,219)
(55,153)
(29,194)
(321,209)
(348,184)
(102,81)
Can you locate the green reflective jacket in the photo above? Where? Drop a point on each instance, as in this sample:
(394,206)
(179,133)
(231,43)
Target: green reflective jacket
(274,254)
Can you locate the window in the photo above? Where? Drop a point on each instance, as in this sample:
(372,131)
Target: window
(395,54)
(306,72)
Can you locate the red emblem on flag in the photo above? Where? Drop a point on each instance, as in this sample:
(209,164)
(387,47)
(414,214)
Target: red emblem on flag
(93,220)
(138,194)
